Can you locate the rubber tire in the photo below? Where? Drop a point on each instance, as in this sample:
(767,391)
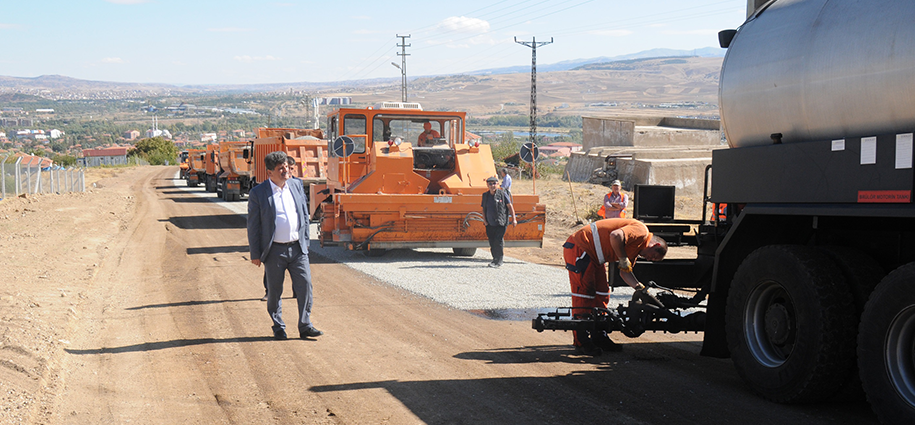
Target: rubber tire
(211,184)
(885,346)
(804,286)
(464,252)
(862,273)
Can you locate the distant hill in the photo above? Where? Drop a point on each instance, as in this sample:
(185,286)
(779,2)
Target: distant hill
(706,52)
(63,87)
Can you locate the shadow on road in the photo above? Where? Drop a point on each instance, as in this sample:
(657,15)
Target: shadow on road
(193,303)
(224,221)
(162,345)
(217,249)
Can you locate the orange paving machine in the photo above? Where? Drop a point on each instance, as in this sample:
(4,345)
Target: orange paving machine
(402,177)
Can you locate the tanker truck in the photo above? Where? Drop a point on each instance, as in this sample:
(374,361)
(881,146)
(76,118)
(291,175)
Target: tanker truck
(808,277)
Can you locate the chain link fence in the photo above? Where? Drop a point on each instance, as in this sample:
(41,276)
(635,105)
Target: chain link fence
(27,177)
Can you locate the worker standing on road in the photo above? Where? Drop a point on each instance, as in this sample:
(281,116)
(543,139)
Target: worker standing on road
(506,181)
(615,202)
(496,205)
(278,238)
(427,135)
(585,253)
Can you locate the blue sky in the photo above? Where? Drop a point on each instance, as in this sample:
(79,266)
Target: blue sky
(247,42)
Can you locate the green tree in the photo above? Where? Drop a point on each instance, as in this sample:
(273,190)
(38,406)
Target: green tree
(64,160)
(506,145)
(156,151)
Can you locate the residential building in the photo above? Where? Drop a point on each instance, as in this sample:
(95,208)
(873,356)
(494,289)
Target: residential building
(105,156)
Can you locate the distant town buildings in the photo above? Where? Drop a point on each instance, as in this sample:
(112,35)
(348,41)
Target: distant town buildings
(336,100)
(16,122)
(131,135)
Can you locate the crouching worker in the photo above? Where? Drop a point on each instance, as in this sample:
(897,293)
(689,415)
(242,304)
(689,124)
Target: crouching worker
(585,253)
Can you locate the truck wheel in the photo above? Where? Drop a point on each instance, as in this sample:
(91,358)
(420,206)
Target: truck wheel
(886,339)
(790,324)
(211,184)
(464,252)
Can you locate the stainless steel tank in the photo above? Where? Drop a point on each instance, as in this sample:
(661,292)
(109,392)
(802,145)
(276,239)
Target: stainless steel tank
(820,70)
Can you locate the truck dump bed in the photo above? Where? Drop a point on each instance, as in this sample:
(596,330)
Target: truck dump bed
(306,146)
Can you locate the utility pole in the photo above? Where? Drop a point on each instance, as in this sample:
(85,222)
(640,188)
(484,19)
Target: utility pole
(403,65)
(533,45)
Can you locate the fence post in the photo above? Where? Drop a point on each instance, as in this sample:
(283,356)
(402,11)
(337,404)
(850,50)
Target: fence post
(82,179)
(39,188)
(3,175)
(18,180)
(28,177)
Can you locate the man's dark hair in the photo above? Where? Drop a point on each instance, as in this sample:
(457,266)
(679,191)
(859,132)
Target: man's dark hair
(272,159)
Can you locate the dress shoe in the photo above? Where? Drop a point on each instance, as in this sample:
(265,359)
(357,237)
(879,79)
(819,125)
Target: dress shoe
(588,350)
(280,334)
(310,332)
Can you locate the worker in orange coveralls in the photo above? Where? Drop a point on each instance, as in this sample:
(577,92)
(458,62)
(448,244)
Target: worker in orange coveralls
(586,252)
(427,135)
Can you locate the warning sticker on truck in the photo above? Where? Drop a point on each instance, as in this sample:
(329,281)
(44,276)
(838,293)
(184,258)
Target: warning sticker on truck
(442,199)
(884,196)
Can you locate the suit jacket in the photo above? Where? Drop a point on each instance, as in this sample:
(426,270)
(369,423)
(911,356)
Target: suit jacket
(262,217)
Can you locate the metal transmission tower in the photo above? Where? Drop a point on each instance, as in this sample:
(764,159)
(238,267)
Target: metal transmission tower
(403,65)
(533,45)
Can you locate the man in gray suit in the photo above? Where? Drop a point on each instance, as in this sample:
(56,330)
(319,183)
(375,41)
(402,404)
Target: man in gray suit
(278,238)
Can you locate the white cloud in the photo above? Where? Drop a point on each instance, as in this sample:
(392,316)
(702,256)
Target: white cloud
(10,26)
(229,29)
(464,24)
(113,60)
(128,1)
(252,59)
(611,33)
(361,18)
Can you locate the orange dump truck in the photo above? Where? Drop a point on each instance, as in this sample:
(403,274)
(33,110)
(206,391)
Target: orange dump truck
(182,164)
(234,179)
(307,147)
(196,169)
(211,165)
(393,182)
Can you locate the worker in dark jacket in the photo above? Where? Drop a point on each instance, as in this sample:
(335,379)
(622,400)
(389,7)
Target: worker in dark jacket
(496,205)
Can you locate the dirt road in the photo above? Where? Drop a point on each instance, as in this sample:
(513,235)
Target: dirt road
(136,303)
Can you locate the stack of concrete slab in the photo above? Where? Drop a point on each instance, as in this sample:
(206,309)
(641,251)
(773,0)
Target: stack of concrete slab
(648,150)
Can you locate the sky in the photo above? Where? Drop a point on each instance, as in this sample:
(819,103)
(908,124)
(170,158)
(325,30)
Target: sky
(198,42)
